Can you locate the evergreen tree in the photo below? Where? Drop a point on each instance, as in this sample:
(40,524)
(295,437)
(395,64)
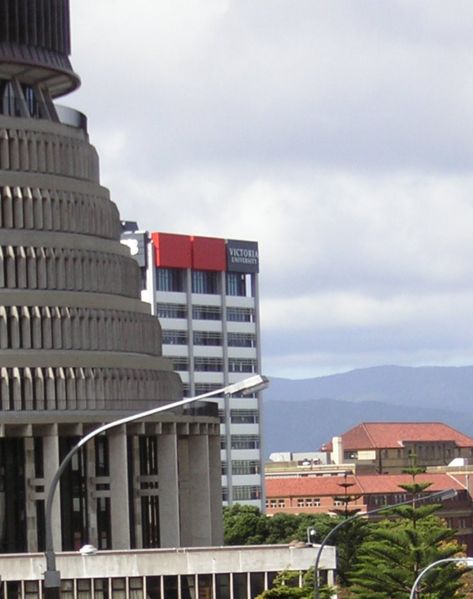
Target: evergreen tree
(397,549)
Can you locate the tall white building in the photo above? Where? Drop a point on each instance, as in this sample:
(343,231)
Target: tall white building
(205,293)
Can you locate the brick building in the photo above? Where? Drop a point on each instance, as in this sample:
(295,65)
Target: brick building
(384,447)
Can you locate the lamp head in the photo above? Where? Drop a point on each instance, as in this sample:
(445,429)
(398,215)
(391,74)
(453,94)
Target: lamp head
(250,385)
(447,494)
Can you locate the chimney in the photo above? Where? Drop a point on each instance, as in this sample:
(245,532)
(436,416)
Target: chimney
(337,450)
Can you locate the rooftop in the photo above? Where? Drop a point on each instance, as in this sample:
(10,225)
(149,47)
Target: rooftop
(380,435)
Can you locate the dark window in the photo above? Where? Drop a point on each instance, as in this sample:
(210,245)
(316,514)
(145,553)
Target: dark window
(241,340)
(235,282)
(241,314)
(245,442)
(245,467)
(171,311)
(208,364)
(179,363)
(206,313)
(169,279)
(204,281)
(244,416)
(207,338)
(175,337)
(241,365)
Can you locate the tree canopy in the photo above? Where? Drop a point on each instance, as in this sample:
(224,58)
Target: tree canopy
(396,549)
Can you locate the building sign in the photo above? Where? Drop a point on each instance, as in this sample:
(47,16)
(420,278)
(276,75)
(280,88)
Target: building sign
(137,244)
(242,256)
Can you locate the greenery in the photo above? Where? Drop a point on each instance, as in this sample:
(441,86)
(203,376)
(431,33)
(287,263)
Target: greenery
(246,525)
(396,549)
(376,560)
(286,587)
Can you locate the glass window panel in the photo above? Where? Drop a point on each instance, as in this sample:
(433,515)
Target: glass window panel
(222,583)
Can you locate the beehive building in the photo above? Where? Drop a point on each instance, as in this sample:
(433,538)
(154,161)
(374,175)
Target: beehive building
(77,346)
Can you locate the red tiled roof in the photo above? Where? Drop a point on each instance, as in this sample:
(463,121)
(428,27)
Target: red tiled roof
(378,435)
(309,486)
(389,483)
(320,486)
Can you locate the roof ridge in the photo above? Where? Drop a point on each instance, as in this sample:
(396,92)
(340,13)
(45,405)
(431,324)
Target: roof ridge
(368,434)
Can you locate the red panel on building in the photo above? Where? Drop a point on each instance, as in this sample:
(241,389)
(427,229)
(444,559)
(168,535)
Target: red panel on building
(208,253)
(171,250)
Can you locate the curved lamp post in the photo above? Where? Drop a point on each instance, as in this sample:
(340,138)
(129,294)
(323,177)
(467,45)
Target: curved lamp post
(52,576)
(461,561)
(442,495)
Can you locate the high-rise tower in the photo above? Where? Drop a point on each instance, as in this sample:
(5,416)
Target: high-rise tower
(77,346)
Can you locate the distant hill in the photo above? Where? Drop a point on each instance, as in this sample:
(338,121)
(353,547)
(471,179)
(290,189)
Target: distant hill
(300,415)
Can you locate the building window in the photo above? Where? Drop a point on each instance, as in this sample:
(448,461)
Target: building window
(245,442)
(235,282)
(245,467)
(179,363)
(201,388)
(204,281)
(206,313)
(308,502)
(246,493)
(207,338)
(208,364)
(175,337)
(241,314)
(241,365)
(169,279)
(171,311)
(275,503)
(241,340)
(244,416)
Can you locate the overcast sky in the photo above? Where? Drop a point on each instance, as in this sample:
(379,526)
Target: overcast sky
(338,134)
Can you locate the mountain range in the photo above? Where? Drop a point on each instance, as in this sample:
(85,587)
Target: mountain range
(301,415)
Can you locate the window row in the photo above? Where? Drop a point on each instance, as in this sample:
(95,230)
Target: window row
(181,364)
(241,442)
(169,310)
(208,338)
(242,467)
(203,281)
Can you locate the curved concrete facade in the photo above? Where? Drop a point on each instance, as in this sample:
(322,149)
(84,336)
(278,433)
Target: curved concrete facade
(77,346)
(66,282)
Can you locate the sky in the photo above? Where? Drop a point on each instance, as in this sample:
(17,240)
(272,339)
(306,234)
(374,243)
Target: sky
(337,134)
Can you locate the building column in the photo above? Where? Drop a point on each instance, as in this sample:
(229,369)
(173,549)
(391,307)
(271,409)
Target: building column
(30,494)
(119,489)
(168,491)
(200,491)
(215,470)
(91,496)
(51,466)
(136,499)
(185,499)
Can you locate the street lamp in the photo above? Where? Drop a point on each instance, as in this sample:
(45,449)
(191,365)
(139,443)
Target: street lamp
(467,562)
(441,495)
(52,576)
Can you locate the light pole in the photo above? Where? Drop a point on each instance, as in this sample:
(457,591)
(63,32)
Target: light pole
(442,495)
(52,576)
(461,561)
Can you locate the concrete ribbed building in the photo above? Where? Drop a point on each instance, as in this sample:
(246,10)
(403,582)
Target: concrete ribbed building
(77,346)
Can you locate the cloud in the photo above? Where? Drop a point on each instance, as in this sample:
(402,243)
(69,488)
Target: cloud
(336,134)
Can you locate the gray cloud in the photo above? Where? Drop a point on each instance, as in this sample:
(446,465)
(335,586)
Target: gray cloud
(338,134)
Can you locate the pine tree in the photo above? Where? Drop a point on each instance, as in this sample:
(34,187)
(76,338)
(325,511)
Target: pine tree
(398,548)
